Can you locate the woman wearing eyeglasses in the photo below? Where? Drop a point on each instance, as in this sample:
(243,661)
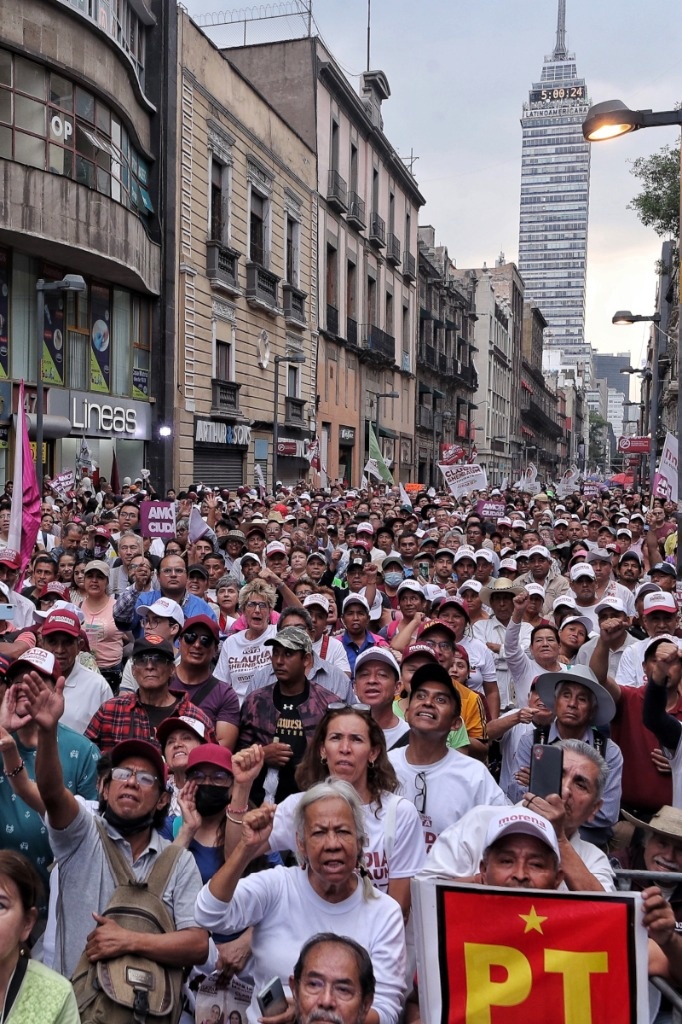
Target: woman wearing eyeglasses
(244,652)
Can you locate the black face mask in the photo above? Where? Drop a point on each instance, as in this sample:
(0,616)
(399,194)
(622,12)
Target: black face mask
(211,799)
(128,826)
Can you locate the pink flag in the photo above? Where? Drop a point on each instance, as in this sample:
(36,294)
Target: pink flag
(25,512)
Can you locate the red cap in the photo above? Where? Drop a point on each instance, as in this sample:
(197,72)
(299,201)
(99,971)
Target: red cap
(140,748)
(61,620)
(210,753)
(62,589)
(10,558)
(202,620)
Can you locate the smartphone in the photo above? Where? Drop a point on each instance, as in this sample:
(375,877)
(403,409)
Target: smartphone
(546,769)
(424,568)
(6,611)
(271,999)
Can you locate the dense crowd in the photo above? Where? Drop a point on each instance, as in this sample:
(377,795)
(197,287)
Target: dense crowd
(335,681)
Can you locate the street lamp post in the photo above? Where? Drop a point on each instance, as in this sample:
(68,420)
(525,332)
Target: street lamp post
(69,283)
(622,317)
(608,120)
(378,396)
(291,357)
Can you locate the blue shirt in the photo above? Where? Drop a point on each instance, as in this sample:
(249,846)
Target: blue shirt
(352,649)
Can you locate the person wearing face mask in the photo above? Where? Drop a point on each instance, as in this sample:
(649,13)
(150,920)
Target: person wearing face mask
(392,570)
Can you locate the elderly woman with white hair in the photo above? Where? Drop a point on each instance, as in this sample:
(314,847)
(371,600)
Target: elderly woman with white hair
(286,906)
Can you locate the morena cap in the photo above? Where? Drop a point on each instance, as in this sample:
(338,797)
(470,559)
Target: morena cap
(376,653)
(202,620)
(61,621)
(139,748)
(515,820)
(173,723)
(210,753)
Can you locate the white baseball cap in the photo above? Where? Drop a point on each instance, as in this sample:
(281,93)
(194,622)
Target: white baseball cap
(564,601)
(660,602)
(534,589)
(164,608)
(582,569)
(411,584)
(539,549)
(582,619)
(320,600)
(508,563)
(465,551)
(275,547)
(515,820)
(377,653)
(355,599)
(470,585)
(612,604)
(485,554)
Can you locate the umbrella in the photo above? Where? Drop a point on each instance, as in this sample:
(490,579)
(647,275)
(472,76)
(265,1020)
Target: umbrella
(624,479)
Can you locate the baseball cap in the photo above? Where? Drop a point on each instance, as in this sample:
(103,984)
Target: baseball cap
(275,547)
(541,550)
(631,553)
(660,602)
(202,620)
(61,621)
(561,522)
(474,585)
(152,644)
(485,554)
(169,725)
(377,654)
(365,528)
(392,560)
(293,638)
(315,554)
(582,619)
(434,624)
(518,524)
(418,648)
(10,558)
(210,753)
(411,584)
(355,599)
(164,608)
(454,601)
(464,551)
(509,563)
(431,674)
(665,567)
(356,563)
(140,748)
(582,569)
(515,820)
(610,604)
(319,600)
(197,570)
(61,589)
(600,555)
(534,589)
(646,588)
(668,637)
(564,601)
(38,660)
(249,557)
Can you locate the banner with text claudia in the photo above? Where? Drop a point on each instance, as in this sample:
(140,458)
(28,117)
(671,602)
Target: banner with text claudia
(487,954)
(464,479)
(665,478)
(157,519)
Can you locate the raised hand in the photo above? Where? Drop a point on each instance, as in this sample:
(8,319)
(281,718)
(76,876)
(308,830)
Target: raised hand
(256,829)
(247,764)
(45,702)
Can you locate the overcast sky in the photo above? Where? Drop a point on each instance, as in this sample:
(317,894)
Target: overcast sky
(459,72)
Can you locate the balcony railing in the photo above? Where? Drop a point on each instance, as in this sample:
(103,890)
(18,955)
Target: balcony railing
(261,287)
(222,266)
(294,412)
(293,301)
(409,266)
(337,193)
(393,249)
(427,354)
(442,362)
(424,417)
(356,211)
(377,231)
(225,397)
(332,320)
(376,340)
(351,331)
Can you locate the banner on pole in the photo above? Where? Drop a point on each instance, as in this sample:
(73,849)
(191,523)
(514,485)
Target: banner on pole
(665,478)
(464,479)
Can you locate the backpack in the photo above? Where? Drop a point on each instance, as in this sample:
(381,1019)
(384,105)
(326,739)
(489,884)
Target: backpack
(129,988)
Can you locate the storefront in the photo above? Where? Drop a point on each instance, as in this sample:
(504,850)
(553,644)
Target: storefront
(219,450)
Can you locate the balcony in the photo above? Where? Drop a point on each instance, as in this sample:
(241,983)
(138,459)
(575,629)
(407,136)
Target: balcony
(356,211)
(424,417)
(427,354)
(293,301)
(376,340)
(332,320)
(467,374)
(352,332)
(443,363)
(337,193)
(225,398)
(409,267)
(261,288)
(294,413)
(393,250)
(222,267)
(377,231)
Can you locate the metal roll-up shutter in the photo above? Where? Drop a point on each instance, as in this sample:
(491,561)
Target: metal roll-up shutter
(218,468)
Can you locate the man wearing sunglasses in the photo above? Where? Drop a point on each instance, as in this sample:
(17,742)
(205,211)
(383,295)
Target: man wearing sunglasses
(134,805)
(137,715)
(194,676)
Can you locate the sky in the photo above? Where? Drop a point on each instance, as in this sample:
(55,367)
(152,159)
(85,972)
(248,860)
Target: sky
(459,72)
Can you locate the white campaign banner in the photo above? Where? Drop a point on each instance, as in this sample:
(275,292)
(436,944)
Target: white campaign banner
(569,483)
(665,478)
(464,479)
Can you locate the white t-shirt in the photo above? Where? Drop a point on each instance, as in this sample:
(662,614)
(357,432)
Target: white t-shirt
(452,786)
(631,667)
(335,654)
(393,734)
(458,850)
(240,659)
(84,694)
(395,847)
(480,662)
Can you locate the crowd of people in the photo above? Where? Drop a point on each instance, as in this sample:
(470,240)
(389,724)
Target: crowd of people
(340,682)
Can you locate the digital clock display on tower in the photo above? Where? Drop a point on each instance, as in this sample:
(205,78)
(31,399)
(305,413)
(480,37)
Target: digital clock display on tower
(559,92)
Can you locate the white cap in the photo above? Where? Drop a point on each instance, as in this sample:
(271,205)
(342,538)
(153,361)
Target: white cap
(508,563)
(355,599)
(515,820)
(377,653)
(320,600)
(465,551)
(581,569)
(470,585)
(37,658)
(431,591)
(664,636)
(485,554)
(582,619)
(564,601)
(561,522)
(275,547)
(624,533)
(534,589)
(539,549)
(518,524)
(661,602)
(365,528)
(165,609)
(411,584)
(613,604)
(504,521)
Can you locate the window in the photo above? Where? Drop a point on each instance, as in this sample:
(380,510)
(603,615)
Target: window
(371,301)
(258,229)
(291,256)
(293,380)
(332,277)
(223,360)
(391,212)
(334,154)
(219,200)
(351,290)
(353,168)
(388,326)
(142,342)
(375,190)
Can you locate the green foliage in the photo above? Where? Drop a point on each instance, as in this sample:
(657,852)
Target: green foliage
(598,435)
(658,203)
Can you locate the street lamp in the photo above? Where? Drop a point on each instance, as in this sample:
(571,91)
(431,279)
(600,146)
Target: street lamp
(622,318)
(291,357)
(69,283)
(384,394)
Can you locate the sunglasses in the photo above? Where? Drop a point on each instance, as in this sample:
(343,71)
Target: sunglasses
(190,638)
(155,657)
(340,705)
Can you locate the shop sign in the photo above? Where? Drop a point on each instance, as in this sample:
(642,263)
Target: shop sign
(295,449)
(218,432)
(347,436)
(95,416)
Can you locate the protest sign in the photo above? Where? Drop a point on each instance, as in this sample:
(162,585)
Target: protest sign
(665,478)
(452,453)
(157,519)
(506,955)
(464,479)
(569,483)
(491,509)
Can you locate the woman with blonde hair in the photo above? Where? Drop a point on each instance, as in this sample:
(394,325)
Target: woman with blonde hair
(244,652)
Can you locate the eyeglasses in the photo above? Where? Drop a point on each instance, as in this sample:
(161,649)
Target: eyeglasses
(420,798)
(213,778)
(257,605)
(155,657)
(339,705)
(439,645)
(144,779)
(191,638)
(173,572)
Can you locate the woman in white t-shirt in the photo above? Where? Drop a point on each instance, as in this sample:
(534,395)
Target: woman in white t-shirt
(244,652)
(349,745)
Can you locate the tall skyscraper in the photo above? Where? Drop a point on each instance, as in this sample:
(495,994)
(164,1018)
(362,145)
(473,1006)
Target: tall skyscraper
(555,181)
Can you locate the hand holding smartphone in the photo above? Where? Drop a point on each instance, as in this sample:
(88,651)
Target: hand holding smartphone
(546,769)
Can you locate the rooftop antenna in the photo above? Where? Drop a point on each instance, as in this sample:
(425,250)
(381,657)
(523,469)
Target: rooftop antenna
(369,29)
(560,51)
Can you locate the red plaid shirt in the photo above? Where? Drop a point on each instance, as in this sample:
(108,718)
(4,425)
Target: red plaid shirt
(124,718)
